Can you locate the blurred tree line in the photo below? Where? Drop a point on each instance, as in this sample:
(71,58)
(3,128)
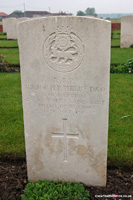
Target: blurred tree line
(88,12)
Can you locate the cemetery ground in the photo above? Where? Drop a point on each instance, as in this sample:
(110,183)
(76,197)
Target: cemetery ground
(13,174)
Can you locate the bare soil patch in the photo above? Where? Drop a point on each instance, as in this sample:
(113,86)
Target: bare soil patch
(13,179)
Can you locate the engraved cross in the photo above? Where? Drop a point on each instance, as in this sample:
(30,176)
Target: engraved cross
(65,135)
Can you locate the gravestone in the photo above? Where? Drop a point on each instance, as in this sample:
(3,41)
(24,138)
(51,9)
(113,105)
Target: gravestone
(4,24)
(65,67)
(22,19)
(10,25)
(126,31)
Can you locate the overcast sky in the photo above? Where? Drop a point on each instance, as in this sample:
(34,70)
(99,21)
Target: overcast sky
(71,6)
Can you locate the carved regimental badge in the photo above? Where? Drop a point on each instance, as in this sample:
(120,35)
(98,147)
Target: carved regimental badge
(63,50)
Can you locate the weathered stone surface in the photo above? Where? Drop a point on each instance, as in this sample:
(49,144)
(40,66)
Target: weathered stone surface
(126,31)
(65,66)
(4,24)
(10,26)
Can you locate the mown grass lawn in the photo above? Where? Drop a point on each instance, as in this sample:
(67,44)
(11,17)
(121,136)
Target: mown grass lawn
(3,37)
(116,35)
(120,149)
(11,55)
(115,43)
(121,56)
(118,55)
(10,43)
(11,117)
(120,146)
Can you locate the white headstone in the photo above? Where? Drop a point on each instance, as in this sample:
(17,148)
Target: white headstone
(65,67)
(22,19)
(10,26)
(4,24)
(126,31)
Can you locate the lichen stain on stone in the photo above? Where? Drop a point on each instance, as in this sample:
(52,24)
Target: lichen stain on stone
(39,164)
(90,151)
(87,170)
(71,146)
(79,131)
(98,165)
(59,147)
(48,141)
(53,144)
(85,150)
(81,150)
(38,152)
(43,28)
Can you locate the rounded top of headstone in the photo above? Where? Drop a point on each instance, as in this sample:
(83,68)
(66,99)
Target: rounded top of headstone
(61,40)
(127,17)
(9,18)
(56,18)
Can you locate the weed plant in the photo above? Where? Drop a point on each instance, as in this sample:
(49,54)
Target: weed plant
(48,190)
(11,55)
(3,63)
(126,68)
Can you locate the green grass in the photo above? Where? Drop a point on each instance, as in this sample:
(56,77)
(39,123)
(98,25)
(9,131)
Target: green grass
(115,43)
(11,55)
(120,130)
(11,117)
(118,55)
(121,56)
(3,37)
(117,32)
(116,38)
(120,149)
(116,35)
(8,43)
(2,33)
